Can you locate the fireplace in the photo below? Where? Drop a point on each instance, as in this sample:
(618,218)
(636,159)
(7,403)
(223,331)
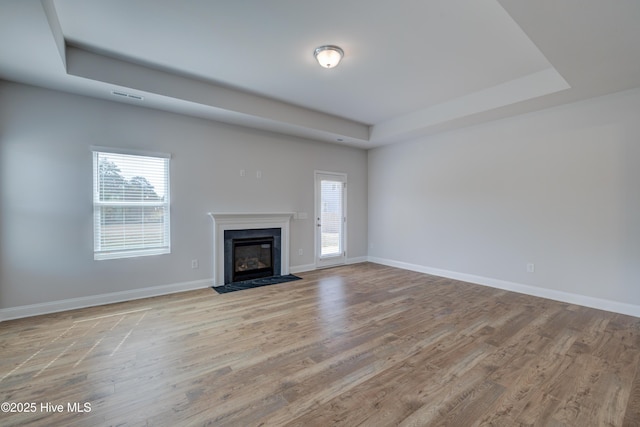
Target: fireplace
(225,222)
(252,258)
(251,254)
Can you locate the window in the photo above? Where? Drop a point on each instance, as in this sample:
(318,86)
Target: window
(130,204)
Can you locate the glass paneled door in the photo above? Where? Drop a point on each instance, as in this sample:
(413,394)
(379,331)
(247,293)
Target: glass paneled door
(331,218)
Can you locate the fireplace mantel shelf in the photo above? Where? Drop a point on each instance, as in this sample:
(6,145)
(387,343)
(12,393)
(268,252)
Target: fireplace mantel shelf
(243,215)
(237,221)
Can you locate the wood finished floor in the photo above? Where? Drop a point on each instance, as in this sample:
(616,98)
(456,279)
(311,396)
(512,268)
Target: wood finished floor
(356,345)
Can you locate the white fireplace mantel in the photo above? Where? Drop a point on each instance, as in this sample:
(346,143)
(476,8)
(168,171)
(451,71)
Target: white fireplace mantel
(240,221)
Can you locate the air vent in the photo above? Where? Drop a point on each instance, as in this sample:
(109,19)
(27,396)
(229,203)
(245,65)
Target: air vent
(127,95)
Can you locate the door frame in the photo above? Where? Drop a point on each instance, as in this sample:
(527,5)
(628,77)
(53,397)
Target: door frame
(332,260)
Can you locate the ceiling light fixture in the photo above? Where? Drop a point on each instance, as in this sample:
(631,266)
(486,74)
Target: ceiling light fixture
(328,56)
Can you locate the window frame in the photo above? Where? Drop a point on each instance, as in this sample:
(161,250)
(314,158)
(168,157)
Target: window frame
(100,253)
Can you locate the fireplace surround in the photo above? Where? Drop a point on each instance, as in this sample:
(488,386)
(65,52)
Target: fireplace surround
(223,222)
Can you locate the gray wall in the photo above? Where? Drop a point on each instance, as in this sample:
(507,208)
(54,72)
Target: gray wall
(559,188)
(46,240)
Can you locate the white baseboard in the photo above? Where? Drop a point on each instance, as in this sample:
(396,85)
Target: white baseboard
(311,267)
(357,260)
(94,300)
(571,298)
(294,269)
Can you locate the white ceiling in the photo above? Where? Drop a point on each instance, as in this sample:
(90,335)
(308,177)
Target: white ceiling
(411,67)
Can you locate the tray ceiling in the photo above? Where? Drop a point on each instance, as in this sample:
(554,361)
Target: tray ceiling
(410,68)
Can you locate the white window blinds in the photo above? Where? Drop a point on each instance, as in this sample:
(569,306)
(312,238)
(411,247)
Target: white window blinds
(130,205)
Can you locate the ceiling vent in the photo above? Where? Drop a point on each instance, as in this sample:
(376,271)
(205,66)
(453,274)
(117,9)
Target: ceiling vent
(127,95)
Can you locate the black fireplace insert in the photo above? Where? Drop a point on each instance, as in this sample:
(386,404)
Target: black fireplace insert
(252,258)
(251,254)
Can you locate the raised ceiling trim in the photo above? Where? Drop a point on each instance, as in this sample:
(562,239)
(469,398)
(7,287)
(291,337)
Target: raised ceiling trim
(532,86)
(94,66)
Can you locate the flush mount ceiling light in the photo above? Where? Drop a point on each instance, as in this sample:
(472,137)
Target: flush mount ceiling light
(328,56)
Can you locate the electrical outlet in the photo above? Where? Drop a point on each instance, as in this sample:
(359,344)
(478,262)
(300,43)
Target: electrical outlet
(300,252)
(194,263)
(531,268)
